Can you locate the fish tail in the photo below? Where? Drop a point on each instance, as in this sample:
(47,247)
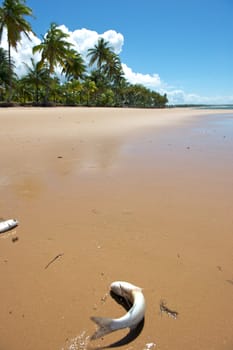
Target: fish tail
(104,325)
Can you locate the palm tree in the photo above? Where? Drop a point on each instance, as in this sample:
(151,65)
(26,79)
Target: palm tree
(108,72)
(4,67)
(99,54)
(119,87)
(74,67)
(36,77)
(113,67)
(89,89)
(55,50)
(4,72)
(7,75)
(115,75)
(12,15)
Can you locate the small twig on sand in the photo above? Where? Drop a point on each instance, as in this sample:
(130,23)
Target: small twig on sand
(51,261)
(169,312)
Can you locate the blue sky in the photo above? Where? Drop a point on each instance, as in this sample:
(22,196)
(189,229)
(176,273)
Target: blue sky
(187,45)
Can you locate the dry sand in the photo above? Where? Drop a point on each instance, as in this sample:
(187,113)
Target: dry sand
(144,196)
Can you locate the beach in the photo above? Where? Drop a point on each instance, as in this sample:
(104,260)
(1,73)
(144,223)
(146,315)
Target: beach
(103,194)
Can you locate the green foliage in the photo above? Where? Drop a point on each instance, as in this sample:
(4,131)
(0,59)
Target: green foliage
(99,54)
(54,49)
(36,79)
(4,68)
(102,84)
(74,67)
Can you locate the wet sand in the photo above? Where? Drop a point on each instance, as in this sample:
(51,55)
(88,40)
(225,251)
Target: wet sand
(144,196)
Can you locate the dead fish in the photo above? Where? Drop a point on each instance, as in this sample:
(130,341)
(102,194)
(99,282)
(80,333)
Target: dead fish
(7,225)
(131,319)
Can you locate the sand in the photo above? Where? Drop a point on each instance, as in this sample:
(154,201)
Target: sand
(144,196)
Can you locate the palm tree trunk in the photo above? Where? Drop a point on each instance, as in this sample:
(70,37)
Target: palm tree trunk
(37,93)
(47,89)
(10,73)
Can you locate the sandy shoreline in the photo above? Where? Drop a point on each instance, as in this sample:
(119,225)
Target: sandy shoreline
(144,196)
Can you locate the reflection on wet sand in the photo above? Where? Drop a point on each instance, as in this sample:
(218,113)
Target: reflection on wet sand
(98,153)
(93,154)
(28,186)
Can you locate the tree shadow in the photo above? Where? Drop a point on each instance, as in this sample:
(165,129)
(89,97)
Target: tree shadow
(133,333)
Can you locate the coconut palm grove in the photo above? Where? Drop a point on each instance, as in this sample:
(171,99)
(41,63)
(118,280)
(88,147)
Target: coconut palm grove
(100,82)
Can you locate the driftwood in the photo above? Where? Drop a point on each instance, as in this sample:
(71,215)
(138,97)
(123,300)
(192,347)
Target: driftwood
(51,261)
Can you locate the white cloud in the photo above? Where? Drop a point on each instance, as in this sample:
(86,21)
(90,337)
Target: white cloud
(151,81)
(116,40)
(84,39)
(178,96)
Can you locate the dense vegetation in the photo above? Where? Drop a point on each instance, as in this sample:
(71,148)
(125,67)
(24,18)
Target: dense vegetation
(100,83)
